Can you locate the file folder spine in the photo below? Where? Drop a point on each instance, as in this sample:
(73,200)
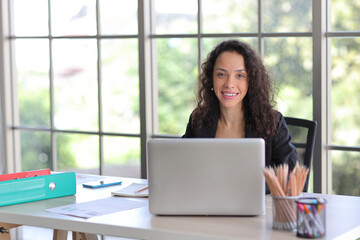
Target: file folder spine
(37,188)
(35,173)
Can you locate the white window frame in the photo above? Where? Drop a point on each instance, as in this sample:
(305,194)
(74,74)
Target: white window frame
(9,147)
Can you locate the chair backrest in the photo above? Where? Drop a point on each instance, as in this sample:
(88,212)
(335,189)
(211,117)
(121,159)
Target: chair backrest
(303,134)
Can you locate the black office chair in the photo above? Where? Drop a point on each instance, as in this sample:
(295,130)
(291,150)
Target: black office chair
(303,134)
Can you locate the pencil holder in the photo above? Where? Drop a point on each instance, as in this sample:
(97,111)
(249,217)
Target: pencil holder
(284,212)
(311,217)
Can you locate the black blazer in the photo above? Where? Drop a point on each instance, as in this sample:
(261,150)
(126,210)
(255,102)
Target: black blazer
(278,150)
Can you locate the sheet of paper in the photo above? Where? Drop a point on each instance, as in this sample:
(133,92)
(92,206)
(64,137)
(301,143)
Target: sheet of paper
(133,190)
(84,178)
(97,207)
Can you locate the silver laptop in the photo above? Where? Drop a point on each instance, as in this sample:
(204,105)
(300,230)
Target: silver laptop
(206,176)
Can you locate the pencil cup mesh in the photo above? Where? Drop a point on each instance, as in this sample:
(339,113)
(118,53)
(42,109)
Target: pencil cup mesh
(311,217)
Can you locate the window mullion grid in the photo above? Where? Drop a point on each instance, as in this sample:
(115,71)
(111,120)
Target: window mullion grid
(145,85)
(13,147)
(261,28)
(199,38)
(53,146)
(321,164)
(99,78)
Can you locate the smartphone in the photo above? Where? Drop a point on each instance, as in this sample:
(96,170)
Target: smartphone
(102,183)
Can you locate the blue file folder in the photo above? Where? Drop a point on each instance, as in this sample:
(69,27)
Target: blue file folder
(37,188)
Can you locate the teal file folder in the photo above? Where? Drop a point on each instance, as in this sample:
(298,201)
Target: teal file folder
(37,188)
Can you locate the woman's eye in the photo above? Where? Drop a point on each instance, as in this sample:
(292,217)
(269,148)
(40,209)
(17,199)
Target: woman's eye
(220,74)
(241,76)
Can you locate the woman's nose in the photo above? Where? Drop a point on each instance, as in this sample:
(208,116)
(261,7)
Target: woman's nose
(229,81)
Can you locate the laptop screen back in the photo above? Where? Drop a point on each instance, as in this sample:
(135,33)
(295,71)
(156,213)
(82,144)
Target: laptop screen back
(206,176)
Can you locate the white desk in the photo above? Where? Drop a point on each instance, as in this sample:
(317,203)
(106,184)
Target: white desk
(342,220)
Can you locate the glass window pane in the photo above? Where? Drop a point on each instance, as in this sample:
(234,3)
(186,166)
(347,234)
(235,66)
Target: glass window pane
(345,173)
(345,15)
(25,19)
(120,86)
(35,150)
(73,17)
(75,84)
(176,16)
(32,66)
(78,153)
(210,43)
(345,88)
(287,16)
(290,64)
(118,17)
(122,156)
(228,16)
(177,72)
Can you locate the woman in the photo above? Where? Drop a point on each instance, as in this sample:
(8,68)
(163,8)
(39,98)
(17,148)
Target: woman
(236,100)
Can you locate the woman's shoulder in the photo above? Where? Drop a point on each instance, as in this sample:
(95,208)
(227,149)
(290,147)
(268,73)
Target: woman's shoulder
(280,123)
(200,118)
(279,117)
(192,124)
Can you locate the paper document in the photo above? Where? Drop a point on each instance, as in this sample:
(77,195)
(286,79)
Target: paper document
(133,190)
(83,178)
(97,207)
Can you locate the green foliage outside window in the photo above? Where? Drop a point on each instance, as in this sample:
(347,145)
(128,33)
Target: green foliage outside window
(290,62)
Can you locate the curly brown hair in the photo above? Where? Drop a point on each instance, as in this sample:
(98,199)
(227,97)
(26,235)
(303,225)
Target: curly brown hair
(260,116)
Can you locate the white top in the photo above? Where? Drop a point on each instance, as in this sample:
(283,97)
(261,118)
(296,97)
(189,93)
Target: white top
(342,219)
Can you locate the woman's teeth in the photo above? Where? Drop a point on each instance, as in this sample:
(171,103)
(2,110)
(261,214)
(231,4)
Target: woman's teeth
(230,94)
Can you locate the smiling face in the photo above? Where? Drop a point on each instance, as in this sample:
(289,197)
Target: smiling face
(230,80)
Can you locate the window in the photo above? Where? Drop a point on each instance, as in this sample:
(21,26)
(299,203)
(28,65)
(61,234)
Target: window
(75,86)
(86,87)
(344,139)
